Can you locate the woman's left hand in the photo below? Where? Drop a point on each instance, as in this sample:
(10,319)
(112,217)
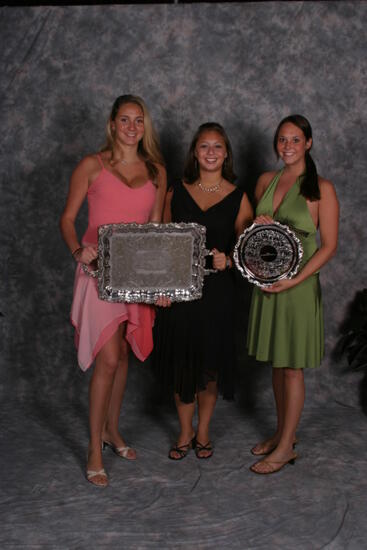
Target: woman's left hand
(219,260)
(279,286)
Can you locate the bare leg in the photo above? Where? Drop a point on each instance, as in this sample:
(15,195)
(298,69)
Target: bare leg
(206,404)
(111,427)
(269,444)
(185,413)
(278,389)
(294,397)
(100,388)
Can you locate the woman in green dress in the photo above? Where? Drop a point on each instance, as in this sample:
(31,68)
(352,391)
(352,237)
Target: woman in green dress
(286,323)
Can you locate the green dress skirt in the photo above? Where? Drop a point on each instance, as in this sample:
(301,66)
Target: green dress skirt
(286,329)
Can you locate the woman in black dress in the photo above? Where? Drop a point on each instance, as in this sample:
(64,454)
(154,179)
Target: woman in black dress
(194,341)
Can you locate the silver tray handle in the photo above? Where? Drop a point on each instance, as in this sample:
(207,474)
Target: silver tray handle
(91,272)
(207,252)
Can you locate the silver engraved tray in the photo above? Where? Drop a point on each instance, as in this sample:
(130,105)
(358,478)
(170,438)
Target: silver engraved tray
(140,262)
(267,253)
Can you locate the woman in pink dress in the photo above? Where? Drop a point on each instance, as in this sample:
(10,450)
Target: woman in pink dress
(125,182)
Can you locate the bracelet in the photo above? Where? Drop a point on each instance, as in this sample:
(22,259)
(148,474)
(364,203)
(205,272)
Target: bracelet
(76,250)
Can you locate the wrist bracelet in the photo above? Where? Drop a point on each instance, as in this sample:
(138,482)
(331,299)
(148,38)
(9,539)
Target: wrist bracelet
(76,250)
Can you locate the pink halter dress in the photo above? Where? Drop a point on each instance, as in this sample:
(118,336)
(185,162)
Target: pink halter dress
(95,321)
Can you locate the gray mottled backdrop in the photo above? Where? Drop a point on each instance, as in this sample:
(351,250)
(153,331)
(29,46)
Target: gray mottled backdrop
(246,66)
(243,65)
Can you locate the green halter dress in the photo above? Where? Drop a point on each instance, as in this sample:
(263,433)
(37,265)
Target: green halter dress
(286,329)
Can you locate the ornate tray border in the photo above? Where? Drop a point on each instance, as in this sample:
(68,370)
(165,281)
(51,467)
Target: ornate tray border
(293,239)
(149,295)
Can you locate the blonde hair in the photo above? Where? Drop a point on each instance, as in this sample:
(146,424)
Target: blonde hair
(148,147)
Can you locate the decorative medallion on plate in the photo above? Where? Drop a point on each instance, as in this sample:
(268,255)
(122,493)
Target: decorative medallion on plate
(140,262)
(267,253)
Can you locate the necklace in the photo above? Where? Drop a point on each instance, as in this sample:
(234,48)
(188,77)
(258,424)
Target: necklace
(210,189)
(123,161)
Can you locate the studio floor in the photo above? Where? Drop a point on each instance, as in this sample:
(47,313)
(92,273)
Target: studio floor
(46,503)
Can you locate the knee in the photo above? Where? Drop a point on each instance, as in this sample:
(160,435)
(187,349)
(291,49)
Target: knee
(293,374)
(212,388)
(108,365)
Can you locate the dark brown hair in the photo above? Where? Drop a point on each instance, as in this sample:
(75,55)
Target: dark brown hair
(191,169)
(310,183)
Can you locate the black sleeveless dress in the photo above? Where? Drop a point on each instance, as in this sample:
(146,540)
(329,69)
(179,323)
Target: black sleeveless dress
(194,341)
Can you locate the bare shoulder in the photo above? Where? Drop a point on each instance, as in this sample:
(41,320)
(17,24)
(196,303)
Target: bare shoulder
(85,173)
(161,169)
(265,178)
(327,188)
(263,183)
(88,164)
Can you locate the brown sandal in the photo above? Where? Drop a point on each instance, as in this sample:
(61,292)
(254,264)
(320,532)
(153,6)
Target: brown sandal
(182,450)
(207,447)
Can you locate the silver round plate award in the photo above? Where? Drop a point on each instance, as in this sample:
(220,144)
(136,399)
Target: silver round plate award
(267,253)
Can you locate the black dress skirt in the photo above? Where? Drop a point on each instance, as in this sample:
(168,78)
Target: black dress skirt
(194,341)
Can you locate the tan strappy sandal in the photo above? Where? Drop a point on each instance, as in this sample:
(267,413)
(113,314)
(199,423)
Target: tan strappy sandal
(123,452)
(92,474)
(272,466)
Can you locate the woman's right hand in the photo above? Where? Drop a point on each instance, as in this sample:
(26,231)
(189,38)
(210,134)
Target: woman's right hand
(86,254)
(163,301)
(263,220)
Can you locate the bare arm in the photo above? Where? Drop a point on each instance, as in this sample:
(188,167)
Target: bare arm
(261,186)
(243,220)
(157,211)
(167,215)
(244,217)
(328,226)
(77,192)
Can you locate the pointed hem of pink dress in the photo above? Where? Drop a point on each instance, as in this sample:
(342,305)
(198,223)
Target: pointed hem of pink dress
(95,321)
